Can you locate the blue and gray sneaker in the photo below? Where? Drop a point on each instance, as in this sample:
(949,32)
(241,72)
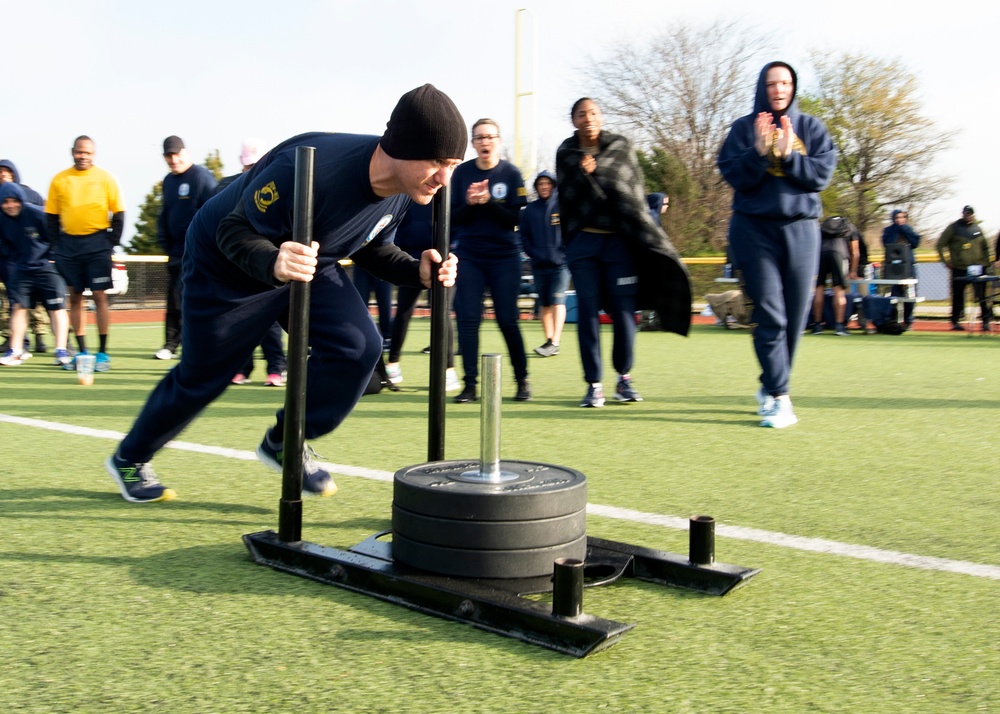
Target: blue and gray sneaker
(137,482)
(63,358)
(594,396)
(314,479)
(625,391)
(102,363)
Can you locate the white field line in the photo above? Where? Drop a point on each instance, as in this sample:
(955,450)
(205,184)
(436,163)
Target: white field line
(815,545)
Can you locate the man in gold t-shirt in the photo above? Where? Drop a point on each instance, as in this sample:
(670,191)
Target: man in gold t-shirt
(87,212)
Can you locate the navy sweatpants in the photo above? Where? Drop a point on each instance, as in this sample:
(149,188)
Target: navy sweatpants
(779,260)
(503,277)
(223,325)
(604,276)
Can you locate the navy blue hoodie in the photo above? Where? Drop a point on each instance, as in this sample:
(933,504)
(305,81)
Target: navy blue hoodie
(30,195)
(769,186)
(540,234)
(24,241)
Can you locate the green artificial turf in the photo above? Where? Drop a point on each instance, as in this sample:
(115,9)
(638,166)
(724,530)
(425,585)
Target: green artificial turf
(107,606)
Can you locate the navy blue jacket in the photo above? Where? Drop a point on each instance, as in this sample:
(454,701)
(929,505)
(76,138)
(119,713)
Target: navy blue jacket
(235,237)
(540,234)
(24,241)
(769,186)
(183,195)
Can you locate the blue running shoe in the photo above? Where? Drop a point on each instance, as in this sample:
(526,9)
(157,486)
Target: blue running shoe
(103,362)
(594,397)
(314,479)
(137,482)
(63,358)
(625,391)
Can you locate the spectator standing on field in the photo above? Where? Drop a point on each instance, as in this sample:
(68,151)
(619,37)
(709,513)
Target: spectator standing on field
(272,345)
(486,202)
(777,161)
(900,232)
(542,242)
(965,245)
(86,215)
(39,317)
(30,276)
(838,260)
(414,236)
(185,189)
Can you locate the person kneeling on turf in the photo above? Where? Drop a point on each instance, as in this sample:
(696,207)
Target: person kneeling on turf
(240,259)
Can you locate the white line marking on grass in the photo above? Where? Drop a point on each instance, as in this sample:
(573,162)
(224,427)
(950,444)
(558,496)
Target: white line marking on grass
(814,545)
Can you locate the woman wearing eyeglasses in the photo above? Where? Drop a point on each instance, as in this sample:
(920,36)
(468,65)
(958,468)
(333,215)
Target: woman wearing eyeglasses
(487,195)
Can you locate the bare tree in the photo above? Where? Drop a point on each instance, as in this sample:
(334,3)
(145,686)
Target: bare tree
(677,95)
(887,148)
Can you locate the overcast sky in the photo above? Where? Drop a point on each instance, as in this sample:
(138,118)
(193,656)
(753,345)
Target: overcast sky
(129,73)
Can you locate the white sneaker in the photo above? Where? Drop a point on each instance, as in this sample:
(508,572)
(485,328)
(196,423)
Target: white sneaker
(164,354)
(780,415)
(764,402)
(394,372)
(451,381)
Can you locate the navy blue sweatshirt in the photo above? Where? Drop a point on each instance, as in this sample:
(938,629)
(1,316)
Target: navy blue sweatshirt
(487,231)
(769,186)
(540,234)
(183,195)
(24,241)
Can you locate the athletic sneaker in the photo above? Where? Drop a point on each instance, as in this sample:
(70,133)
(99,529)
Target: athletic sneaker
(314,479)
(625,391)
(841,331)
(394,372)
(468,394)
(137,482)
(548,349)
(13,359)
(63,357)
(274,380)
(451,381)
(426,350)
(240,379)
(817,328)
(764,402)
(523,393)
(780,414)
(71,365)
(594,396)
(165,353)
(102,363)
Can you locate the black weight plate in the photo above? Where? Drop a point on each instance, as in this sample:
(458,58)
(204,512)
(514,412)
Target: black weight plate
(469,563)
(538,491)
(489,535)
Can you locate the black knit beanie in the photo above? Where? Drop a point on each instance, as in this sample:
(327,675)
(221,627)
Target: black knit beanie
(425,124)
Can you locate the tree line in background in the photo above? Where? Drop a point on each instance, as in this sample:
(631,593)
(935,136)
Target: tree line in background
(676,96)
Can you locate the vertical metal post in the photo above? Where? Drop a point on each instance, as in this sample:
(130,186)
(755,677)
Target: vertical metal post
(441,229)
(489,418)
(567,587)
(701,540)
(290,506)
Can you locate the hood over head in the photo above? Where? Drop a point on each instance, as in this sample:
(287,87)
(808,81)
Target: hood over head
(11,190)
(6,163)
(544,174)
(760,102)
(655,201)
